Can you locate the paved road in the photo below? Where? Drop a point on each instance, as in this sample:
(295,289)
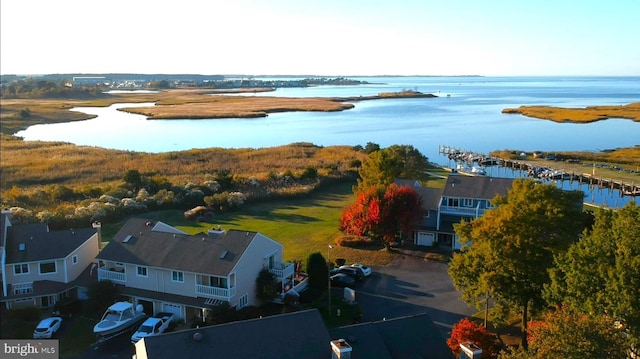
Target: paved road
(409,286)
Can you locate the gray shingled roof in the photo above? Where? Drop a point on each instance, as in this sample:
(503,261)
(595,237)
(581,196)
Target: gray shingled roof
(293,335)
(407,337)
(430,197)
(479,187)
(190,253)
(41,244)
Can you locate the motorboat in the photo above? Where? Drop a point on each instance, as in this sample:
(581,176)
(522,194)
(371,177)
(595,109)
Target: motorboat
(118,317)
(470,170)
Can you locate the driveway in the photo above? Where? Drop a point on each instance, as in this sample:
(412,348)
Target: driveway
(408,286)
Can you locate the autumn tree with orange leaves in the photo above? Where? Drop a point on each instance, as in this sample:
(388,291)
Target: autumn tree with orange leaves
(466,331)
(382,214)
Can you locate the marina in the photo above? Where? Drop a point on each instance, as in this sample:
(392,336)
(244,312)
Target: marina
(563,172)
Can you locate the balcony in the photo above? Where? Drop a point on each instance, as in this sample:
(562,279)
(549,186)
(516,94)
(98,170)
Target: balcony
(462,211)
(112,275)
(209,291)
(282,270)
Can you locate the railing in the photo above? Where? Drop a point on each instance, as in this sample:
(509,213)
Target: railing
(207,290)
(463,211)
(22,288)
(282,270)
(118,277)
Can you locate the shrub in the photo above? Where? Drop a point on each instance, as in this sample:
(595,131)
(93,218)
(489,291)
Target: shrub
(354,242)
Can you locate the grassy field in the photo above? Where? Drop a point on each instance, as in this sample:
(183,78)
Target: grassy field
(302,226)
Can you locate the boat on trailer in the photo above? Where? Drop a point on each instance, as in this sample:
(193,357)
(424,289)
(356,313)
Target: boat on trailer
(119,317)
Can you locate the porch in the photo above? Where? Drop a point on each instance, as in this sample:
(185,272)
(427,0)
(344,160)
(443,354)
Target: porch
(116,276)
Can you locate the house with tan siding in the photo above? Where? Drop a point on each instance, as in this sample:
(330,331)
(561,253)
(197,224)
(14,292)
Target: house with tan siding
(167,270)
(41,267)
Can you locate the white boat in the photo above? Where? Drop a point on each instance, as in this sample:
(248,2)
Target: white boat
(470,170)
(118,317)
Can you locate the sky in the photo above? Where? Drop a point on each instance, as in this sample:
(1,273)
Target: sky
(322,37)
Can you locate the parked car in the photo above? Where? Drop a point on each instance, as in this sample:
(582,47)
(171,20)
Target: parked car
(342,280)
(158,324)
(47,327)
(354,272)
(365,270)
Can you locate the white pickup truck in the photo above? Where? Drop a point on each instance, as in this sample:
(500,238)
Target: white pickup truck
(155,325)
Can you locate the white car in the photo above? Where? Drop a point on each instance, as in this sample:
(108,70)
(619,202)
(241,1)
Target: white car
(365,270)
(47,327)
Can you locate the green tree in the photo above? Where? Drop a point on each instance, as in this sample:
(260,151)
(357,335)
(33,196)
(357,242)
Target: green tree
(318,272)
(601,273)
(382,167)
(266,286)
(513,246)
(101,295)
(134,179)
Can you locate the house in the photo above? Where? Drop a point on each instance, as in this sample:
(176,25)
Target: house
(167,270)
(301,334)
(41,267)
(462,198)
(408,337)
(292,335)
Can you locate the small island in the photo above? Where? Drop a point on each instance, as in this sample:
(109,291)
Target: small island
(579,115)
(190,104)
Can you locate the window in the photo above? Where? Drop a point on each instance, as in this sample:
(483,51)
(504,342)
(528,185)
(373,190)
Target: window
(47,267)
(467,202)
(21,289)
(74,259)
(243,301)
(177,276)
(142,271)
(21,268)
(452,202)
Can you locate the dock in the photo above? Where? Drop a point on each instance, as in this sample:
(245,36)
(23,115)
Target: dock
(562,171)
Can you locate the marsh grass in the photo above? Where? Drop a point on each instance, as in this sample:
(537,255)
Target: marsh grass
(28,164)
(579,115)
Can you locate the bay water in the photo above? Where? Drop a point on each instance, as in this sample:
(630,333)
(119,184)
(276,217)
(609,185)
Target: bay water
(465,114)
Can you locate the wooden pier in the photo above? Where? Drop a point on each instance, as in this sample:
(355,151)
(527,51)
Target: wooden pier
(626,188)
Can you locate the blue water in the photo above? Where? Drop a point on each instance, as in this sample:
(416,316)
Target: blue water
(466,114)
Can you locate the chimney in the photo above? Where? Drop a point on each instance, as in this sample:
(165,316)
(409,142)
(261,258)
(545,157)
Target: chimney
(340,349)
(470,351)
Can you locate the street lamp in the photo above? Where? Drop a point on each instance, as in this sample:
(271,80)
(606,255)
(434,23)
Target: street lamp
(329,276)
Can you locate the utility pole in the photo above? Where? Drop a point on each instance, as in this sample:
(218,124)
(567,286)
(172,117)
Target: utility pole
(329,277)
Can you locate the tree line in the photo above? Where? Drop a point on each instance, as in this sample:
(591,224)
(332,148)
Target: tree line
(39,88)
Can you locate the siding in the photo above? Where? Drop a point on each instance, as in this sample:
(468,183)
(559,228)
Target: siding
(250,265)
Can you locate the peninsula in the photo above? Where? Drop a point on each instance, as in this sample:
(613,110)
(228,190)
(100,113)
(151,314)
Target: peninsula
(579,115)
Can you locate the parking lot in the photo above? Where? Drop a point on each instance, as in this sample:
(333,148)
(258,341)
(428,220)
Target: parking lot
(408,286)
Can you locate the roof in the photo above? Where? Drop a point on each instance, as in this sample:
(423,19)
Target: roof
(406,337)
(430,197)
(406,182)
(40,243)
(292,335)
(121,306)
(140,242)
(479,187)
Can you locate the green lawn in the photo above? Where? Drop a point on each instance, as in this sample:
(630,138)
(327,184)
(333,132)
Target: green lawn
(302,225)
